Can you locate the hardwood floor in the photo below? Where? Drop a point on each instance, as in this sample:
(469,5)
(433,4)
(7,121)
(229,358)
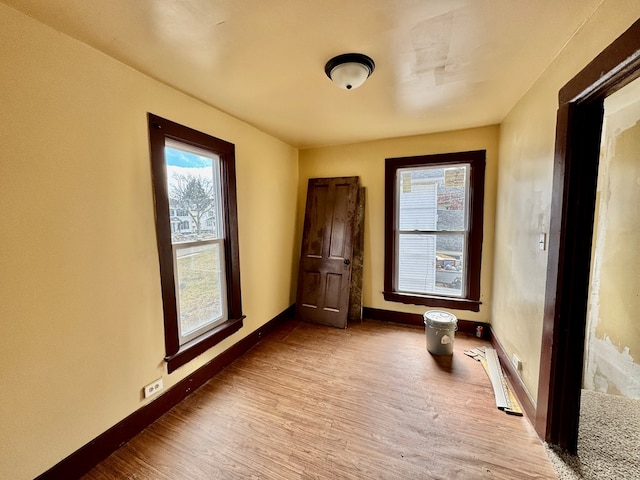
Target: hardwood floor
(314,402)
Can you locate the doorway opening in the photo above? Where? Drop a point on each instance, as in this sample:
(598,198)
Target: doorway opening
(613,319)
(578,137)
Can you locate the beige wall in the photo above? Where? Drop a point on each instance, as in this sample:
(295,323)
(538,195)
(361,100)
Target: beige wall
(367,161)
(527,138)
(80,303)
(80,306)
(613,333)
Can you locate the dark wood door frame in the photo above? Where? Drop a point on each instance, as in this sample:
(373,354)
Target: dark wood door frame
(575,172)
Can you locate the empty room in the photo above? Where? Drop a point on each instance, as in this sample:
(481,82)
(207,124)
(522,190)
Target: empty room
(289,239)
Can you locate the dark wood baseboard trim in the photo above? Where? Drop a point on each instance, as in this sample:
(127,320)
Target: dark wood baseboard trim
(464,326)
(88,456)
(468,327)
(519,389)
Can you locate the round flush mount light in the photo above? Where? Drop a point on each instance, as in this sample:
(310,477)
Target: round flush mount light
(349,70)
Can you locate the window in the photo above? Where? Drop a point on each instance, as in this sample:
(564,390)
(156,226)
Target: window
(433,229)
(197,234)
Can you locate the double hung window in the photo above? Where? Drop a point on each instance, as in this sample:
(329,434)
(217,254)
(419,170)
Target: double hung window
(196,226)
(433,229)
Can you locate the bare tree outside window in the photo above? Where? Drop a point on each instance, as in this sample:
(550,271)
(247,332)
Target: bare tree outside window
(195,196)
(194,187)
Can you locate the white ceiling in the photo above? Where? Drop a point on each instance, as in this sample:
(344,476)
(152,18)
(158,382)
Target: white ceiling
(440,64)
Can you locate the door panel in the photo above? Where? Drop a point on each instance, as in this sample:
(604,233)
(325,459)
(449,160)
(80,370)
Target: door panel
(311,284)
(339,222)
(332,292)
(317,214)
(327,246)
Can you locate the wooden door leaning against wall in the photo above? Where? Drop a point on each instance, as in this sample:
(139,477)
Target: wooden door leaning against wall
(324,278)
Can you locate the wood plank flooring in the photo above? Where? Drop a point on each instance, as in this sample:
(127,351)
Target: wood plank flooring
(314,402)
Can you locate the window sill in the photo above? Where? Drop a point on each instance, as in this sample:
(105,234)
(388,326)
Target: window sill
(431,301)
(201,344)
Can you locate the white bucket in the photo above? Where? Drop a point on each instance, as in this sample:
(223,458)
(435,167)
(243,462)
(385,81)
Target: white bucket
(440,329)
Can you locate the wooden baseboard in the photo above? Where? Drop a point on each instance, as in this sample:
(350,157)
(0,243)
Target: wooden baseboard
(515,380)
(469,327)
(464,326)
(88,456)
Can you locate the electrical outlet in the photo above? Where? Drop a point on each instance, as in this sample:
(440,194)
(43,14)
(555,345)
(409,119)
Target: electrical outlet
(153,388)
(516,362)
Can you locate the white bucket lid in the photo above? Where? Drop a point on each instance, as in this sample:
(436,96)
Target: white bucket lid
(440,319)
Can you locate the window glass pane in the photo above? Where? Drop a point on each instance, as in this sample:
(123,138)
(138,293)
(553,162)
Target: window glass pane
(192,177)
(452,199)
(431,264)
(416,263)
(433,198)
(196,234)
(418,200)
(199,286)
(450,263)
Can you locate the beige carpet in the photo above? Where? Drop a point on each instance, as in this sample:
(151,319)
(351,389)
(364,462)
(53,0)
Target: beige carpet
(608,440)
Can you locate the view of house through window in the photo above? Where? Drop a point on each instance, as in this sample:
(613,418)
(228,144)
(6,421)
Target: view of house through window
(196,237)
(194,189)
(432,229)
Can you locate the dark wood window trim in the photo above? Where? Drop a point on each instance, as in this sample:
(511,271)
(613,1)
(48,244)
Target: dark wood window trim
(161,129)
(477,159)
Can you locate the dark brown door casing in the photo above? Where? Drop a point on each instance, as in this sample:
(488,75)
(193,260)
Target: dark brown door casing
(324,278)
(575,176)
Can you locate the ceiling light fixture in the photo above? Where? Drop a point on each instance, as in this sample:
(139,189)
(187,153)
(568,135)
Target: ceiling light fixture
(349,70)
